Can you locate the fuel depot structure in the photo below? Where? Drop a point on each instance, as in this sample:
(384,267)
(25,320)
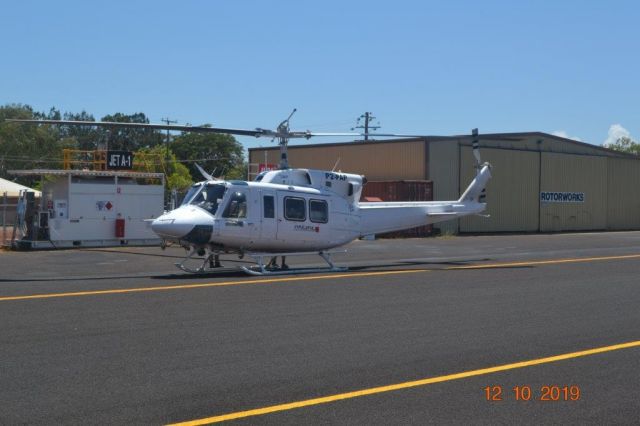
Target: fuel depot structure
(541,182)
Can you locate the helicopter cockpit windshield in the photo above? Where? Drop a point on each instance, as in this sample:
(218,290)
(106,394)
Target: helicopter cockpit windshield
(207,196)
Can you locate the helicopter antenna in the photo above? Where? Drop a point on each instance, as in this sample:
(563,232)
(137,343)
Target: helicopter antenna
(206,175)
(335,166)
(283,140)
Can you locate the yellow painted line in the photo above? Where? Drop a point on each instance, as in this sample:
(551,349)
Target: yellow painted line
(546,262)
(405,385)
(311,278)
(218,284)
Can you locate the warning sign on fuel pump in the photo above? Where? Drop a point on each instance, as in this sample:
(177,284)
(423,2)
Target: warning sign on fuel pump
(104,205)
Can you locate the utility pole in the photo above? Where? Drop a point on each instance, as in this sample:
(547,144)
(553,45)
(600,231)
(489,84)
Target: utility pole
(363,123)
(166,158)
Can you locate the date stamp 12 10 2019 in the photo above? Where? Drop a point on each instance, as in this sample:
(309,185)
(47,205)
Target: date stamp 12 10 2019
(528,393)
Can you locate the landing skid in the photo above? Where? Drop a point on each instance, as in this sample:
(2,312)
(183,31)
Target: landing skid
(209,263)
(263,269)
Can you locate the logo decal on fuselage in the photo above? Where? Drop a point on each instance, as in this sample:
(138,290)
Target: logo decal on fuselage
(306,228)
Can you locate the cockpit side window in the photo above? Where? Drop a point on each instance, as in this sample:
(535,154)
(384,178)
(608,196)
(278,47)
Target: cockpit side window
(237,206)
(209,197)
(189,195)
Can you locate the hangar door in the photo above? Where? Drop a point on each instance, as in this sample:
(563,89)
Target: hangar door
(512,192)
(575,189)
(623,206)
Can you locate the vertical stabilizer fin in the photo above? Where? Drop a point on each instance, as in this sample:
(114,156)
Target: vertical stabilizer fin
(475,191)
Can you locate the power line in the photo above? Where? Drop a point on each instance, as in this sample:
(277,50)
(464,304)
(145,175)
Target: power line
(364,121)
(166,159)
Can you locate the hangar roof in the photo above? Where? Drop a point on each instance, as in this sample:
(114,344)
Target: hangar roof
(515,139)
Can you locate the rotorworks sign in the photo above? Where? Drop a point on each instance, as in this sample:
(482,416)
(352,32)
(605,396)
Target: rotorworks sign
(562,197)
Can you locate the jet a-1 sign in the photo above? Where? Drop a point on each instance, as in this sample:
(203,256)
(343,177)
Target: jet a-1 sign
(119,160)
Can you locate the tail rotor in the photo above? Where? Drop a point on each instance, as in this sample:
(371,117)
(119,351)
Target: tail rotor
(475,144)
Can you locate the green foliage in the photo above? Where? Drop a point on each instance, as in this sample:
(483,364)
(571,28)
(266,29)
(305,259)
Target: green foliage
(86,138)
(24,146)
(129,139)
(626,144)
(28,147)
(178,176)
(219,154)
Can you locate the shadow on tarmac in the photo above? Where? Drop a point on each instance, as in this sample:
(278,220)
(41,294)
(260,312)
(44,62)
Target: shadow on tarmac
(233,272)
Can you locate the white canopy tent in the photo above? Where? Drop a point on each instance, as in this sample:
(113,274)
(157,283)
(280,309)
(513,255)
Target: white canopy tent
(13,189)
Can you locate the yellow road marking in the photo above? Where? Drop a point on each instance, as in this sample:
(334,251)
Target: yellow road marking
(546,262)
(218,284)
(405,385)
(311,278)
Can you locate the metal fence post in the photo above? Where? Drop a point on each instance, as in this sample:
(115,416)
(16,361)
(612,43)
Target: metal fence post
(4,217)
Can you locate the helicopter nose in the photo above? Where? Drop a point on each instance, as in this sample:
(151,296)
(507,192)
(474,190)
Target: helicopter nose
(169,226)
(184,223)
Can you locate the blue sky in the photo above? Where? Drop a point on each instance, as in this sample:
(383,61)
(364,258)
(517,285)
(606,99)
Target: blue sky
(434,68)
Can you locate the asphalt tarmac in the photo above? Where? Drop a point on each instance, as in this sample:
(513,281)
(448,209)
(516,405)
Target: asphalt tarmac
(419,331)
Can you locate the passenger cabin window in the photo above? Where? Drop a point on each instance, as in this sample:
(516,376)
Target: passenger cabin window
(269,207)
(318,211)
(294,209)
(237,207)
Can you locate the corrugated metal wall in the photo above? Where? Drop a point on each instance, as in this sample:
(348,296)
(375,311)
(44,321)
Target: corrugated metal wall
(623,197)
(443,170)
(574,173)
(512,193)
(444,163)
(377,160)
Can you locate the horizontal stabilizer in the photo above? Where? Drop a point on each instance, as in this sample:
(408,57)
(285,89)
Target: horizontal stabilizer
(436,214)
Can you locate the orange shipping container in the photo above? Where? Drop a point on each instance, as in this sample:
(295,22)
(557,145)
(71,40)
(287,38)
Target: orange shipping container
(401,190)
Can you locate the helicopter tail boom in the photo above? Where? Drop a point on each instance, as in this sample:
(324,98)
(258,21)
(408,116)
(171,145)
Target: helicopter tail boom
(379,217)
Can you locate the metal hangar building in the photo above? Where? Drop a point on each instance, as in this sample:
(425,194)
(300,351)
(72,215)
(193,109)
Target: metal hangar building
(541,182)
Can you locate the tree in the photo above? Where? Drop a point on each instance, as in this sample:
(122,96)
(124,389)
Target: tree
(625,144)
(128,139)
(27,146)
(87,138)
(177,175)
(214,152)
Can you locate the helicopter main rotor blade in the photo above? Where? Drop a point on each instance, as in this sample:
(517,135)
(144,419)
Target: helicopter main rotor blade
(113,124)
(258,132)
(380,135)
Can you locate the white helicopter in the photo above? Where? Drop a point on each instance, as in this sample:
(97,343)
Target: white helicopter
(289,211)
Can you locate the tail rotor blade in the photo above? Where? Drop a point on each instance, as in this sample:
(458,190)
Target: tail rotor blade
(476,148)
